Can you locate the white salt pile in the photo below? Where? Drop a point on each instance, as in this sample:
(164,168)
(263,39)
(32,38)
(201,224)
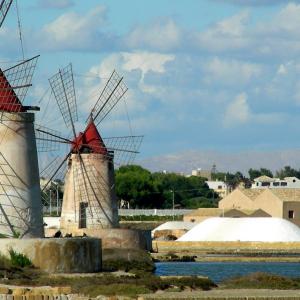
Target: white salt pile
(243,229)
(174,225)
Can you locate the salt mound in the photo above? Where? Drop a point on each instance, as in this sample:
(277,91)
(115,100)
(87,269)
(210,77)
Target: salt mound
(174,225)
(243,229)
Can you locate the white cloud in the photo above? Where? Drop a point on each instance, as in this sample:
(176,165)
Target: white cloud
(160,35)
(256,2)
(231,72)
(230,33)
(72,31)
(238,111)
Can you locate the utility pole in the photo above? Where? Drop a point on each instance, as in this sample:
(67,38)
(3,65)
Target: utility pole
(173,203)
(50,191)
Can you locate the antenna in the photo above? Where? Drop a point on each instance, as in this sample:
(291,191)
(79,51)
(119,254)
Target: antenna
(113,91)
(4,8)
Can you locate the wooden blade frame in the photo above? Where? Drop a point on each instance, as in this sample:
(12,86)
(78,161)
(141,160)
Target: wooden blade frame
(20,77)
(62,85)
(4,8)
(113,91)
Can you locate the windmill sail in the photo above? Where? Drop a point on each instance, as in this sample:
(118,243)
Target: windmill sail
(20,77)
(4,8)
(8,99)
(113,91)
(62,85)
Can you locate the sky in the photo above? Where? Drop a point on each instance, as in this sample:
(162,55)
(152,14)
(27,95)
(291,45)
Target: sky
(203,75)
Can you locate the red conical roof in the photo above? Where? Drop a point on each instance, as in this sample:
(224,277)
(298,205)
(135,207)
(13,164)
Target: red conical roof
(8,99)
(90,139)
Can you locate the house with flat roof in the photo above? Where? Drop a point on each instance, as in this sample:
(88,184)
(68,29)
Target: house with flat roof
(268,182)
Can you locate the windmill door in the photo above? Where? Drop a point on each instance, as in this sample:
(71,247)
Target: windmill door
(82,214)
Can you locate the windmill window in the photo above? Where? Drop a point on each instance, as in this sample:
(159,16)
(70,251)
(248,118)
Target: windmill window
(291,214)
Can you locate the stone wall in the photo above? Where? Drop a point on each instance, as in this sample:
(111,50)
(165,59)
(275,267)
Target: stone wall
(111,238)
(61,255)
(228,247)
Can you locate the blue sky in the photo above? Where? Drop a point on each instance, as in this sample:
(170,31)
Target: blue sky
(219,75)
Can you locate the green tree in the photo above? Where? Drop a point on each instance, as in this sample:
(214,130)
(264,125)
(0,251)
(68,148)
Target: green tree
(287,171)
(253,173)
(144,189)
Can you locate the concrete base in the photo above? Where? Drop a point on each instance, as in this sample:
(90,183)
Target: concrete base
(60,255)
(111,238)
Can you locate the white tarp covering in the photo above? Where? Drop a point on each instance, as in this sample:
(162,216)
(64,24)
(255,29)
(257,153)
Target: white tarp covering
(243,229)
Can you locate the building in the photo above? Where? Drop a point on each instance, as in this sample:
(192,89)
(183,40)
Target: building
(202,214)
(202,173)
(220,187)
(276,202)
(268,182)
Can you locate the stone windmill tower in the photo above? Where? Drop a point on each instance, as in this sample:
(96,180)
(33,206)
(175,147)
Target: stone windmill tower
(20,195)
(89,195)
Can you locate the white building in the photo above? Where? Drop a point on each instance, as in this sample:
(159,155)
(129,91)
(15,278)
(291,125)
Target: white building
(219,187)
(268,182)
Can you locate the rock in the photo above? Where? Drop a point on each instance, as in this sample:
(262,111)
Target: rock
(19,291)
(4,290)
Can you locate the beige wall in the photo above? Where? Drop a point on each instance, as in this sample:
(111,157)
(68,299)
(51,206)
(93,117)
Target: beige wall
(294,206)
(237,200)
(268,202)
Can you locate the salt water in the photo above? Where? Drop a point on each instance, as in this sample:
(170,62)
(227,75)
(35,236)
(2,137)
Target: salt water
(219,271)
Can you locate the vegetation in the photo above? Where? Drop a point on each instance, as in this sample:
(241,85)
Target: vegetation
(151,218)
(126,285)
(143,189)
(19,259)
(262,281)
(257,173)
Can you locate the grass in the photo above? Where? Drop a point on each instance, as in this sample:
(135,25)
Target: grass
(262,281)
(19,259)
(109,285)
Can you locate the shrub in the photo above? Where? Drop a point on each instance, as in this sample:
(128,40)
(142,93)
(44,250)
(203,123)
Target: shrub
(19,259)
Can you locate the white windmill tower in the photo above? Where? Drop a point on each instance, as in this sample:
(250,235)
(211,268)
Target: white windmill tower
(89,195)
(20,195)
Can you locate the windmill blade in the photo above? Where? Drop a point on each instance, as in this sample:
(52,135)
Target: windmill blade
(113,91)
(56,169)
(20,76)
(4,8)
(62,85)
(125,148)
(9,192)
(48,139)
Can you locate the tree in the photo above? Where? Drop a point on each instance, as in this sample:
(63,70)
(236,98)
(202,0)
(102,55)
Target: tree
(287,171)
(134,184)
(144,189)
(253,173)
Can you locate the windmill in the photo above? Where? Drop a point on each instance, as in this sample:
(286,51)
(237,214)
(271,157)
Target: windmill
(89,195)
(20,198)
